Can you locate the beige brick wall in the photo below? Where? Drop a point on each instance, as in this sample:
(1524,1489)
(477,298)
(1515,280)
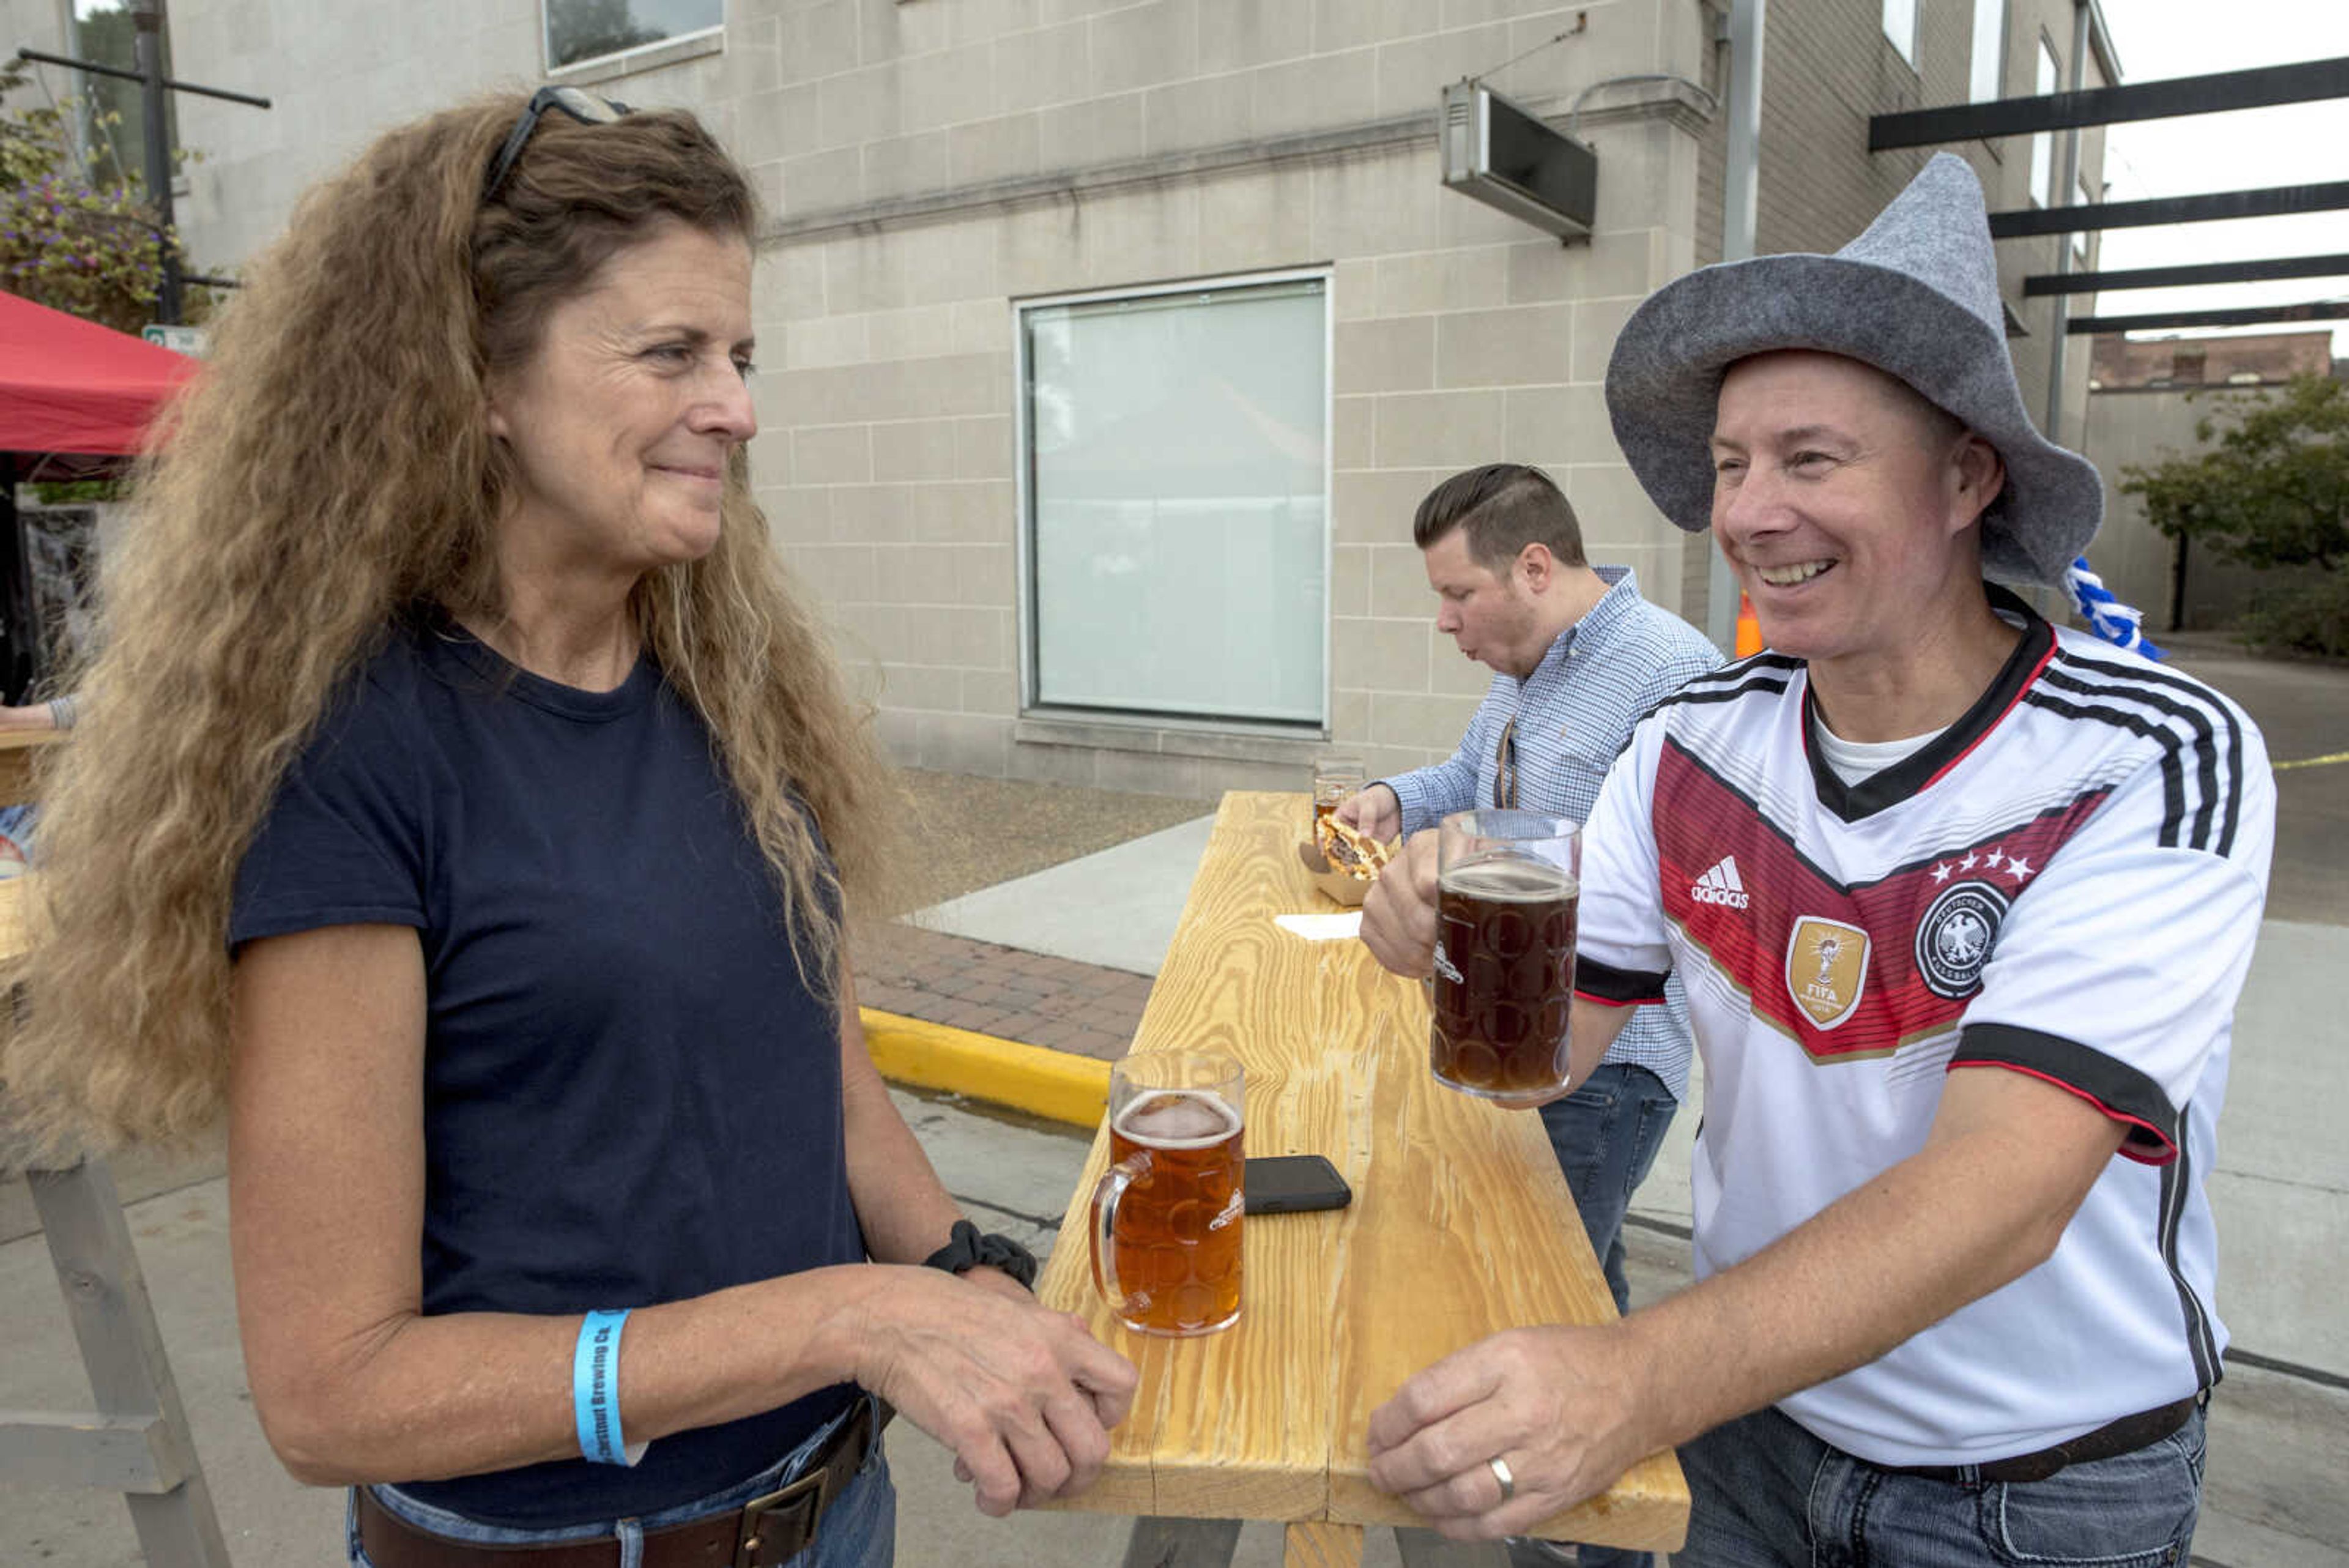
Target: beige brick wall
(929,163)
(1459,335)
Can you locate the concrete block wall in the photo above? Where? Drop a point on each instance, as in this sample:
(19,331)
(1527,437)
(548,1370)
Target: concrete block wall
(929,163)
(1459,335)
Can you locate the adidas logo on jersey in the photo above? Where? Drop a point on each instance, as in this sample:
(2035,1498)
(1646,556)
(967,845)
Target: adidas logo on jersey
(1721,886)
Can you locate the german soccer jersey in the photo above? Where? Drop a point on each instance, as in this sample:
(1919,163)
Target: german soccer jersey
(2068,883)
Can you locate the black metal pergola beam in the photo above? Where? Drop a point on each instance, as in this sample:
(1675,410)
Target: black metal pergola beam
(116,71)
(2247,315)
(2299,83)
(2273,202)
(2186,277)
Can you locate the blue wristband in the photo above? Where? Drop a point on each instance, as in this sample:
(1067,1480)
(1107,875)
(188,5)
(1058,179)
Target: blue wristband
(595,1391)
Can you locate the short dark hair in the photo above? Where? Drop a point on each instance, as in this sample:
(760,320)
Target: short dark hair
(1505,506)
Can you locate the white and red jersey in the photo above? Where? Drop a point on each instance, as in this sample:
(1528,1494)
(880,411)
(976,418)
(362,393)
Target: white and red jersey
(2067,882)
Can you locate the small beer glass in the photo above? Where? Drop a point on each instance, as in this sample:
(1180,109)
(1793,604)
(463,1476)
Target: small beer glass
(1166,1213)
(1334,779)
(1507,883)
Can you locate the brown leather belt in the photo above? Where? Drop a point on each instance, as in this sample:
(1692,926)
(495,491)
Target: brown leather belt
(2126,1436)
(762,1534)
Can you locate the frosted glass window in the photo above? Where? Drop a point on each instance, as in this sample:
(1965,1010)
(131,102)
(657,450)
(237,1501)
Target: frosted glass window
(1988,81)
(1178,501)
(579,30)
(1900,26)
(2043,143)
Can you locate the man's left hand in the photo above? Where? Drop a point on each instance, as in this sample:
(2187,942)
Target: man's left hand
(1558,1405)
(1398,911)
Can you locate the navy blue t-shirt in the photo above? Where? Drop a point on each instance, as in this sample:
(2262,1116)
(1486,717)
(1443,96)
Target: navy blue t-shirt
(630,1095)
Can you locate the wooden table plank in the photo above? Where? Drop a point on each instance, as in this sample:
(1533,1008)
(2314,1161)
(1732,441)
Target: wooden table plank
(15,902)
(20,752)
(1461,1223)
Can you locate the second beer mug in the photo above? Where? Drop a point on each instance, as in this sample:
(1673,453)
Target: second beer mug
(1166,1213)
(1334,779)
(1507,883)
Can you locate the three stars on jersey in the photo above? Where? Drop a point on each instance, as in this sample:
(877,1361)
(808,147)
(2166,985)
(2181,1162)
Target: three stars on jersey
(2014,866)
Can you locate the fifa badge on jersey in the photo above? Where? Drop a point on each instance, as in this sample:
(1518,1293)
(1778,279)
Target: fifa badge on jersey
(1954,939)
(1827,969)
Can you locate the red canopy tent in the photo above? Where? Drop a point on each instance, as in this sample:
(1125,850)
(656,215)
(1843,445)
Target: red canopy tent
(71,386)
(73,397)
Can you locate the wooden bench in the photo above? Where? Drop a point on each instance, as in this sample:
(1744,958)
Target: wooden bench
(136,1441)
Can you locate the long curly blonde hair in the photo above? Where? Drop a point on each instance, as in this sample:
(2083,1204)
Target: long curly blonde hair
(329,472)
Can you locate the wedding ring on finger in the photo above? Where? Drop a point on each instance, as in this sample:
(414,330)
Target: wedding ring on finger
(1500,1469)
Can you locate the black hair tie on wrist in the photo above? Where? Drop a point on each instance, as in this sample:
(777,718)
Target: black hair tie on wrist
(969,1249)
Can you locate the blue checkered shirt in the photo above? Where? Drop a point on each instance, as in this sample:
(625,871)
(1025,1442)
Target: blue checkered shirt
(1574,713)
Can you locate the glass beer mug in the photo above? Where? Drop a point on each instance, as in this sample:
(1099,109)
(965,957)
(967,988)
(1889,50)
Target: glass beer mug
(1507,887)
(1166,1213)
(1334,779)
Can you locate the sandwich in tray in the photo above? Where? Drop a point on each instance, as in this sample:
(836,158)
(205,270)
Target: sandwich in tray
(1348,850)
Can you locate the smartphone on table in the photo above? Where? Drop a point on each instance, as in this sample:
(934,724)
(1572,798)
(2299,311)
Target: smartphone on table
(1293,1183)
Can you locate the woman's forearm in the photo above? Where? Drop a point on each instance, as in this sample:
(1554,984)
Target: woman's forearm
(426,1398)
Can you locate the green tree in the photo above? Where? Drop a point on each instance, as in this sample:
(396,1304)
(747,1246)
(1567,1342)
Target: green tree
(2273,491)
(582,29)
(88,247)
(114,111)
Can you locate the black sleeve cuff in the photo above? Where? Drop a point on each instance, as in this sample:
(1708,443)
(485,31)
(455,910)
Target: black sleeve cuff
(1615,987)
(2114,1088)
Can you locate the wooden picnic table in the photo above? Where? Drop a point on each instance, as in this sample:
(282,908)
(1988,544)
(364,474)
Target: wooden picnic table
(1461,1226)
(19,748)
(16,895)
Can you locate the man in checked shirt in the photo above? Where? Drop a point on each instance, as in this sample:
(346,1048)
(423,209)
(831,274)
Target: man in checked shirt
(1577,658)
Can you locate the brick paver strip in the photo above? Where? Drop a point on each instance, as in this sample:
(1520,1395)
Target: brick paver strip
(1037,999)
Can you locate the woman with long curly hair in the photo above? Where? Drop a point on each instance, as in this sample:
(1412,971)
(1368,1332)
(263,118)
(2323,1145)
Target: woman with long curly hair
(465,804)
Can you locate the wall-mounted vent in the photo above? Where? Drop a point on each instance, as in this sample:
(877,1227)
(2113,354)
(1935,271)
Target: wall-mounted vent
(1507,157)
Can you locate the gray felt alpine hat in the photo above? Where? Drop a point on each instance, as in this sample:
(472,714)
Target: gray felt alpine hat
(1917,297)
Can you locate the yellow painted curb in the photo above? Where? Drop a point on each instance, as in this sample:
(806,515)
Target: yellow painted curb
(1050,1083)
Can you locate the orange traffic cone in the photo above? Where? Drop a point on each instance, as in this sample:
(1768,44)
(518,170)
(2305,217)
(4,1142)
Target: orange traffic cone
(1749,630)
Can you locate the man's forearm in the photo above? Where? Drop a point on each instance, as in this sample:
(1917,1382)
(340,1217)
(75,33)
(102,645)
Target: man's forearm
(1593,1033)
(1954,1222)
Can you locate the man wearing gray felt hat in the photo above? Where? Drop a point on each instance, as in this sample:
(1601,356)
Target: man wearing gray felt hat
(1962,903)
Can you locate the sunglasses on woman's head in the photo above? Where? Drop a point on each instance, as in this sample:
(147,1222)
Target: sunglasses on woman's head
(584,107)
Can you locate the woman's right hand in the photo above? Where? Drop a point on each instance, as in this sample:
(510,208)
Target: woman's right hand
(1024,1396)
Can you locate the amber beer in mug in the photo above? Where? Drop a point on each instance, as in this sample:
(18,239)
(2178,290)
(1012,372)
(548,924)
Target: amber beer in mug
(1167,1214)
(1507,883)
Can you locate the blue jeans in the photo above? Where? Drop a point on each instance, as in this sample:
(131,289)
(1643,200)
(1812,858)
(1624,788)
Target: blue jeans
(858,1530)
(1766,1493)
(1605,1134)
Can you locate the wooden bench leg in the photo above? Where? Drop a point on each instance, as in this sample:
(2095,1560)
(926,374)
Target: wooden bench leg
(1317,1543)
(106,1296)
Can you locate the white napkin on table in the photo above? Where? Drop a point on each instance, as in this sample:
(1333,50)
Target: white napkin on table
(1321,927)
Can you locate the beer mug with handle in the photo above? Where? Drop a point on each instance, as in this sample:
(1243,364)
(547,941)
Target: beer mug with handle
(1166,1213)
(1508,884)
